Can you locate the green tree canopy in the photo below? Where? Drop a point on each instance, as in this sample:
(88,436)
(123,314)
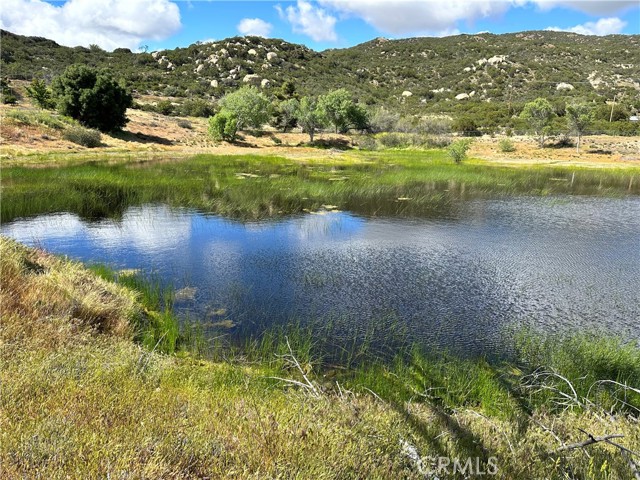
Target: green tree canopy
(92,97)
(251,107)
(336,106)
(538,114)
(287,112)
(310,116)
(580,116)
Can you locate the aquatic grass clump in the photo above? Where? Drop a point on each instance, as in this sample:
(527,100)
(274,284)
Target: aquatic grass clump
(578,370)
(156,327)
(253,187)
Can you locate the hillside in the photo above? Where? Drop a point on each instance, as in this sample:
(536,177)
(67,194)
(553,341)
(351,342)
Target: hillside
(463,73)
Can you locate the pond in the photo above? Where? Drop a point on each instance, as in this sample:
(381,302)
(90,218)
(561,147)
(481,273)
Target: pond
(458,281)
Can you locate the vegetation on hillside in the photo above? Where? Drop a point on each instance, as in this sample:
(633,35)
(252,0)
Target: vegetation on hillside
(483,79)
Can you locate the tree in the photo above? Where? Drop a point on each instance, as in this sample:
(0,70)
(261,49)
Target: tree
(335,107)
(223,126)
(40,93)
(358,117)
(287,112)
(251,108)
(92,97)
(310,116)
(286,91)
(538,114)
(579,117)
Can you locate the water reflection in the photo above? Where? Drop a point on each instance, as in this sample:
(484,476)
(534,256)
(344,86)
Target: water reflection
(558,263)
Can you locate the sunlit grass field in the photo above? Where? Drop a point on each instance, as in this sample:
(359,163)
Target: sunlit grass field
(256,186)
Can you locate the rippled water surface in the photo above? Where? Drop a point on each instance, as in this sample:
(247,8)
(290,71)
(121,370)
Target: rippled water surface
(552,263)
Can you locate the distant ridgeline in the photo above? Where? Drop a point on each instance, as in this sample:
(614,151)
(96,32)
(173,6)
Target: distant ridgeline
(457,74)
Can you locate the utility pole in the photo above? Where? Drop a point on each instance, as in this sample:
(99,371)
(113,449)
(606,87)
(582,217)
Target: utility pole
(612,107)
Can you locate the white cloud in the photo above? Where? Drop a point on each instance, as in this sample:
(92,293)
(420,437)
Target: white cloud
(108,23)
(254,26)
(309,20)
(604,26)
(593,7)
(418,16)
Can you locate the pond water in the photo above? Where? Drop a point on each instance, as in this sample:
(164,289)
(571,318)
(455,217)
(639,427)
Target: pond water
(459,281)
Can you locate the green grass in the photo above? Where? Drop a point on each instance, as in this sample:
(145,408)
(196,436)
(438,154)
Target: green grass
(81,398)
(40,117)
(260,186)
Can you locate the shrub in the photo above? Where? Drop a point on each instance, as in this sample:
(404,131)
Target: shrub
(40,93)
(184,124)
(91,97)
(223,126)
(438,141)
(458,150)
(384,121)
(367,142)
(9,97)
(434,126)
(196,107)
(83,136)
(165,107)
(505,145)
(467,126)
(564,141)
(392,140)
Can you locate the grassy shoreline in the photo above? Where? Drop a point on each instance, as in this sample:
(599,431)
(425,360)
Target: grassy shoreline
(410,183)
(83,397)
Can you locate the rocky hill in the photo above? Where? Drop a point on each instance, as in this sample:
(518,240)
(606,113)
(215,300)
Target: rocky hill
(453,74)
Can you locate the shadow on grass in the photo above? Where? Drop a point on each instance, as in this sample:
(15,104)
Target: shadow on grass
(140,137)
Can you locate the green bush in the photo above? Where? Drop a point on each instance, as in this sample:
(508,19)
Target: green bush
(92,97)
(505,145)
(83,136)
(196,107)
(7,94)
(392,140)
(367,142)
(458,150)
(223,126)
(467,126)
(165,107)
(40,93)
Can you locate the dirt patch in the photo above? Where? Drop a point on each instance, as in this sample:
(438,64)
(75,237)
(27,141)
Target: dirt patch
(152,134)
(597,150)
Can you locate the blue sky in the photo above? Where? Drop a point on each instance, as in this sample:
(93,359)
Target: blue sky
(318,24)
